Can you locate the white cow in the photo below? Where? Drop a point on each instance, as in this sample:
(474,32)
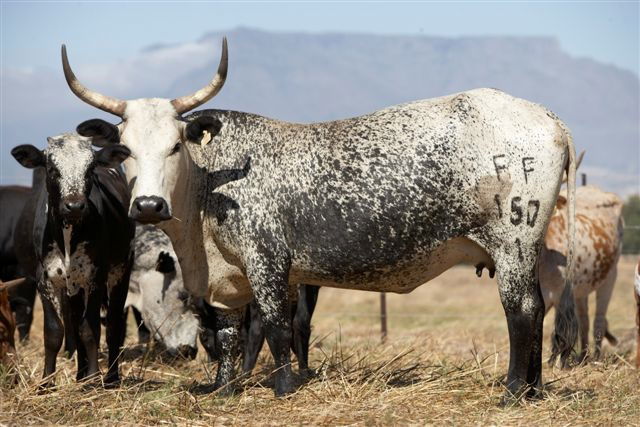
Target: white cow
(599,227)
(381,202)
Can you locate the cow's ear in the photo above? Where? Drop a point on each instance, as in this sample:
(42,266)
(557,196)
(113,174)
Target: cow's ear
(202,129)
(165,263)
(29,156)
(561,202)
(102,133)
(112,155)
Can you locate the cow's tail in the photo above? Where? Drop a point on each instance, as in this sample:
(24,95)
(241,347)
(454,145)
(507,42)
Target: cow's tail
(566,323)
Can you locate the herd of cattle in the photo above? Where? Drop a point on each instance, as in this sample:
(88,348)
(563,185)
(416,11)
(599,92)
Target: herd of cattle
(241,218)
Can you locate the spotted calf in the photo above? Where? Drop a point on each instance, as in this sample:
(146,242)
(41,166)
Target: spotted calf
(82,243)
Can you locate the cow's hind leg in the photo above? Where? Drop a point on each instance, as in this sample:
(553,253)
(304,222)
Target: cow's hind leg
(302,325)
(254,339)
(600,324)
(582,310)
(524,308)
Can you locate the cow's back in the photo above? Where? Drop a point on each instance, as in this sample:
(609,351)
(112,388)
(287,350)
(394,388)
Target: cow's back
(395,184)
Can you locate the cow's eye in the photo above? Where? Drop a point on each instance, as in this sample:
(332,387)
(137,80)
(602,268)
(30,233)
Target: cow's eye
(175,148)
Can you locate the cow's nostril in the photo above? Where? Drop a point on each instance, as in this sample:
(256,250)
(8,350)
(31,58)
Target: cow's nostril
(138,206)
(74,206)
(159,206)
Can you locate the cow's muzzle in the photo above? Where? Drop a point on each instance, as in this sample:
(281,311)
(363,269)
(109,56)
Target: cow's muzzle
(183,352)
(150,210)
(72,209)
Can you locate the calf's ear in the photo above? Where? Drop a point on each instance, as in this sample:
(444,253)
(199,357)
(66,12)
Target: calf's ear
(165,263)
(28,156)
(102,133)
(202,129)
(112,155)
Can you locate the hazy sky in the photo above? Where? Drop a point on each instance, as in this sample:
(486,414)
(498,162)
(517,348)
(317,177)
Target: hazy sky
(105,31)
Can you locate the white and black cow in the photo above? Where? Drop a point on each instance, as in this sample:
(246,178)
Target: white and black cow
(157,291)
(381,202)
(82,239)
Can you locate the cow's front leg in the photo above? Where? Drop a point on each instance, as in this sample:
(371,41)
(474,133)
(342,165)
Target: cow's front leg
(116,326)
(227,346)
(90,330)
(73,318)
(268,275)
(524,308)
(53,332)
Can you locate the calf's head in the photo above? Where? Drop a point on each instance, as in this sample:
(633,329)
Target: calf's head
(154,131)
(69,162)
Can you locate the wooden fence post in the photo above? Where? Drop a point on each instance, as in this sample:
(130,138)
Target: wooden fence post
(383,317)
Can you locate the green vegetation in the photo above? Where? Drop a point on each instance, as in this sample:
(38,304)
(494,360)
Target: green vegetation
(631,214)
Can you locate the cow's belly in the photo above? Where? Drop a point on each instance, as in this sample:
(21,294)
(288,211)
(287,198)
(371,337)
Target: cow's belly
(403,276)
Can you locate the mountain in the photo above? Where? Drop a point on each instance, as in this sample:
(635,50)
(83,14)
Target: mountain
(312,77)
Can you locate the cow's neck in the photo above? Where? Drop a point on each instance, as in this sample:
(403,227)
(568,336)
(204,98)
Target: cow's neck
(185,230)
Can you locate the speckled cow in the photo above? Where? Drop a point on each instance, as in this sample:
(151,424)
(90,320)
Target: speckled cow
(82,242)
(381,202)
(598,244)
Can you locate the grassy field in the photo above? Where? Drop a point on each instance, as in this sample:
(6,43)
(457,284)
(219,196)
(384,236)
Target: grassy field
(443,363)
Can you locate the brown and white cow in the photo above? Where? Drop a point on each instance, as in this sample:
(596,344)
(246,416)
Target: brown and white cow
(597,249)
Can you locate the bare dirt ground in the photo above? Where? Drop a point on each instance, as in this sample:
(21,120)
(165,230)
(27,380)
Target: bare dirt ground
(443,363)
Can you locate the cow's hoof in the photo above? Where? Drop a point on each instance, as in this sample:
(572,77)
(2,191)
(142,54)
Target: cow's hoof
(508,400)
(535,393)
(307,373)
(112,381)
(226,390)
(46,387)
(284,387)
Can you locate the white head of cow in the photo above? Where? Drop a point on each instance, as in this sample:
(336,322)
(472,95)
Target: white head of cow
(153,129)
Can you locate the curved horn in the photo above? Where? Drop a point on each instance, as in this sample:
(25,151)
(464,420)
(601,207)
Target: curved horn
(189,102)
(105,103)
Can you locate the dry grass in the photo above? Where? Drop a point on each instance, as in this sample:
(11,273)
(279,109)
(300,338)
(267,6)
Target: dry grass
(443,363)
